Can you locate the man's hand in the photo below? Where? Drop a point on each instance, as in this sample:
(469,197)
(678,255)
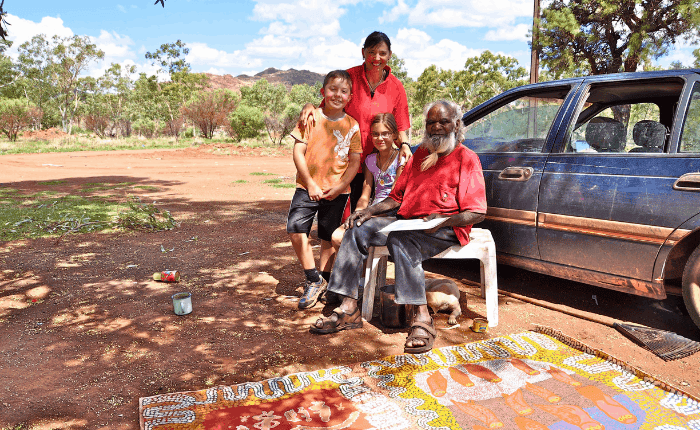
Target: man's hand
(437,227)
(457,220)
(357,218)
(315,192)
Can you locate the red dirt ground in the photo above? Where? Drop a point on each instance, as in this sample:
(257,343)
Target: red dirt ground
(85,331)
(48,134)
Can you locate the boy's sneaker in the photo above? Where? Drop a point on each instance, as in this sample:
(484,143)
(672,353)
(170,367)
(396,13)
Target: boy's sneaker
(312,291)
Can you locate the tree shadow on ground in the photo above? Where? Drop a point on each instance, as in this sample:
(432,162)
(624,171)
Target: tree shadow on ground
(85,330)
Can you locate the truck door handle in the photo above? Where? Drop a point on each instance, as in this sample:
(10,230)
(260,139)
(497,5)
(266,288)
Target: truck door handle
(688,182)
(518,174)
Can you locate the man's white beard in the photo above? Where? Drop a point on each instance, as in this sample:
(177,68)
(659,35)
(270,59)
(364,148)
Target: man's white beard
(437,145)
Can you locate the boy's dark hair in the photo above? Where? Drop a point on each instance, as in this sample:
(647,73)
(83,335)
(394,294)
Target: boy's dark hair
(338,74)
(375,38)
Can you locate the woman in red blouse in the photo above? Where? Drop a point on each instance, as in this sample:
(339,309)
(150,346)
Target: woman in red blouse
(374,90)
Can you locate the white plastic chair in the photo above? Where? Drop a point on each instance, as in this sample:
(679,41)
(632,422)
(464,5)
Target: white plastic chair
(480,246)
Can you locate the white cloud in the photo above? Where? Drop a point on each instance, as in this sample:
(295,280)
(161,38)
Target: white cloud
(121,8)
(460,13)
(115,46)
(419,51)
(117,49)
(684,56)
(22,30)
(518,32)
(394,13)
(216,71)
(324,55)
(300,18)
(202,56)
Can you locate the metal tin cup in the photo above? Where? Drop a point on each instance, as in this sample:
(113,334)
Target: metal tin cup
(182,303)
(480,325)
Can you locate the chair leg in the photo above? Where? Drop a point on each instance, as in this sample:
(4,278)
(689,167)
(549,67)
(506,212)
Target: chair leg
(489,287)
(375,276)
(482,272)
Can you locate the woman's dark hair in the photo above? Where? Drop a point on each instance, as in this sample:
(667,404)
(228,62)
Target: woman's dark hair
(375,39)
(386,119)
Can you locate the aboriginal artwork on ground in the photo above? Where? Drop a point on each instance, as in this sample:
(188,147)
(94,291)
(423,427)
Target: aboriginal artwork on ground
(527,381)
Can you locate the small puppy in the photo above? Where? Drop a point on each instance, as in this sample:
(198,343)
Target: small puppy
(443,295)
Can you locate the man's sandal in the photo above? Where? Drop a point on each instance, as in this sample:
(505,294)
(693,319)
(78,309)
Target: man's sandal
(344,322)
(427,335)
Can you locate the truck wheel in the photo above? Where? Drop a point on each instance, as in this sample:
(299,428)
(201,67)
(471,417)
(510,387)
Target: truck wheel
(691,286)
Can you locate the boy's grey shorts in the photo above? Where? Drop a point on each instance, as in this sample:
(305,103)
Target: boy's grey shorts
(302,211)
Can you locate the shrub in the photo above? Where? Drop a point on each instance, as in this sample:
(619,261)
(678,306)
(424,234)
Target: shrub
(246,122)
(209,110)
(145,127)
(15,115)
(97,123)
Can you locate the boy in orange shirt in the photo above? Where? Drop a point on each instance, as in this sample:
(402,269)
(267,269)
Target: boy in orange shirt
(327,159)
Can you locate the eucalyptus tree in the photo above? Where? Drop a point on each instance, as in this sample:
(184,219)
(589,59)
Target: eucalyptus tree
(109,103)
(279,113)
(53,70)
(484,77)
(174,83)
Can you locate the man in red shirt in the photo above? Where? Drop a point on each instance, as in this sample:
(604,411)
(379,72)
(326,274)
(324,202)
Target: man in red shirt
(442,180)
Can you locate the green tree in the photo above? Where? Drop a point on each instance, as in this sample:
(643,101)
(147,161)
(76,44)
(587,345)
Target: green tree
(34,67)
(146,111)
(398,69)
(9,74)
(170,57)
(280,115)
(109,104)
(52,70)
(430,86)
(246,122)
(171,95)
(610,36)
(484,77)
(696,54)
(302,94)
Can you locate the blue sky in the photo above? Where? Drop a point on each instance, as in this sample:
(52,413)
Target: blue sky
(246,37)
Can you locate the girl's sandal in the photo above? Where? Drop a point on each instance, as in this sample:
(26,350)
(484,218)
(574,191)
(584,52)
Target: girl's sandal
(427,336)
(344,322)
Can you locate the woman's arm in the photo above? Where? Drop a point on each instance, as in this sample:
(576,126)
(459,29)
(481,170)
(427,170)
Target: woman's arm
(404,148)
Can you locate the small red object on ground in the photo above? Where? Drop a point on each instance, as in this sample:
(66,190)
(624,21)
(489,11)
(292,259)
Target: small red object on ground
(167,276)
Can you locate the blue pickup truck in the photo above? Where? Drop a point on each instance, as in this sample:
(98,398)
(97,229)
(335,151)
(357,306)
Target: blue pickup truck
(597,180)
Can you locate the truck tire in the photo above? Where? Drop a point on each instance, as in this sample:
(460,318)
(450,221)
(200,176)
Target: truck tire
(691,286)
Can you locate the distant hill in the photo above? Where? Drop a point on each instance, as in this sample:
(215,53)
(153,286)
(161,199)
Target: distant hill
(286,77)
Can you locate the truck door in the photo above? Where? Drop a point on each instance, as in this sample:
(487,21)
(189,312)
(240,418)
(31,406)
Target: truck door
(607,198)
